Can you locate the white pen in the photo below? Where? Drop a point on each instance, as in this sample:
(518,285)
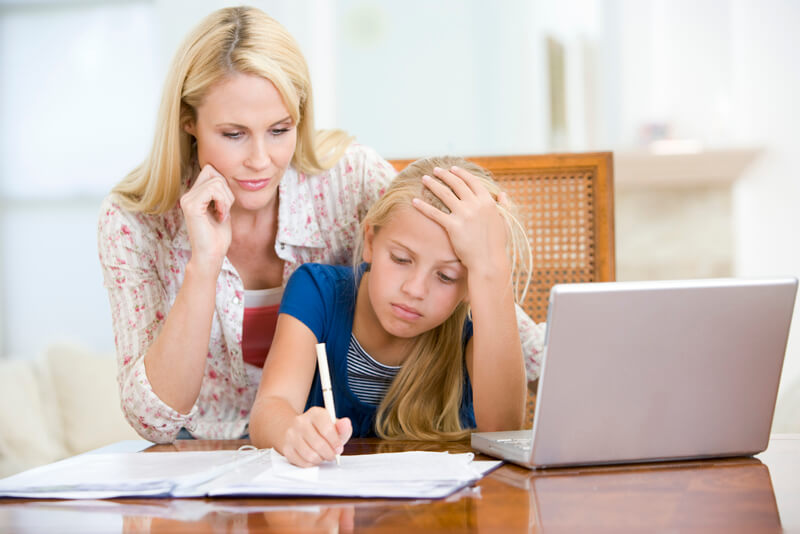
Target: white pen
(325,379)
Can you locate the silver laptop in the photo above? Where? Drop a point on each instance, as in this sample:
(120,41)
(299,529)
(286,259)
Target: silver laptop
(654,371)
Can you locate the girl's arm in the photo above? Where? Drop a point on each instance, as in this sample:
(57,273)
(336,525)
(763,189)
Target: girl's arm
(277,419)
(478,234)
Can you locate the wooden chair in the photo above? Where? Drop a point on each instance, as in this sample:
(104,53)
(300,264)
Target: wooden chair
(567,207)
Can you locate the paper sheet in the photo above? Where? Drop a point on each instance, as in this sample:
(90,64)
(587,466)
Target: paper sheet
(416,474)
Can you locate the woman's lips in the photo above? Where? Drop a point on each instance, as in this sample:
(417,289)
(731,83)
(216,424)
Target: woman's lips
(404,312)
(253,185)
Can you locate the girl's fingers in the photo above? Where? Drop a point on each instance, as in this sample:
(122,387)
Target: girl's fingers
(429,211)
(326,440)
(305,455)
(455,178)
(442,192)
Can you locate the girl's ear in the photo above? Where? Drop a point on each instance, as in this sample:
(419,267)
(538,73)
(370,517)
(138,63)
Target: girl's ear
(369,237)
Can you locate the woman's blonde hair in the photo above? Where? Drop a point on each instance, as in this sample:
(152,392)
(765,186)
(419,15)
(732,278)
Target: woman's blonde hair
(228,41)
(424,400)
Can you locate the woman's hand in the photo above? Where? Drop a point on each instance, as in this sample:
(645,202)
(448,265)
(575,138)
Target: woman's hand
(206,208)
(474,225)
(312,438)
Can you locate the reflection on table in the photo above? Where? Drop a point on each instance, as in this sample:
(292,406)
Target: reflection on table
(713,495)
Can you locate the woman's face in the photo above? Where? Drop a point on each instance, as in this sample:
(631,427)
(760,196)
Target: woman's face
(245,132)
(415,280)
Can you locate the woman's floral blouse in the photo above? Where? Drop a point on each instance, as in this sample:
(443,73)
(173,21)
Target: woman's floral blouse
(144,258)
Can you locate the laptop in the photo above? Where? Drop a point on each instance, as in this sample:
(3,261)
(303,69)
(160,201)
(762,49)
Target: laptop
(654,371)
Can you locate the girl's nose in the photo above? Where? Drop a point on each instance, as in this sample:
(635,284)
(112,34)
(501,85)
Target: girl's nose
(415,285)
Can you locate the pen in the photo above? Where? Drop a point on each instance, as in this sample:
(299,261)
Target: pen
(325,379)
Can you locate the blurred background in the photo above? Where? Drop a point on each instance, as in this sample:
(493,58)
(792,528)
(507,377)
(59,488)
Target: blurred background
(695,97)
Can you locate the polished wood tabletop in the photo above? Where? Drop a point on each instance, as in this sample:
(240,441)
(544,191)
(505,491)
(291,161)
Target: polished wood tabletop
(760,494)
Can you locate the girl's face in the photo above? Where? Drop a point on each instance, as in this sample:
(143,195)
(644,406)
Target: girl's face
(245,132)
(415,280)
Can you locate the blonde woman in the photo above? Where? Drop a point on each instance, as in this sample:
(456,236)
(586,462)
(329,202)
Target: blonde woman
(407,358)
(196,243)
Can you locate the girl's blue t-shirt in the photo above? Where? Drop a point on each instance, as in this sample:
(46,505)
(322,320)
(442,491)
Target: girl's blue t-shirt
(323,297)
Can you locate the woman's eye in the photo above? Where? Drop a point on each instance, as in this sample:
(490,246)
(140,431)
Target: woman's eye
(398,259)
(233,135)
(279,131)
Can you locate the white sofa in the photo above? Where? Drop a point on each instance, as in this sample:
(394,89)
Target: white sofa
(61,403)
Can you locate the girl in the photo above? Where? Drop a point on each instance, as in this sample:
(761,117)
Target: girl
(407,358)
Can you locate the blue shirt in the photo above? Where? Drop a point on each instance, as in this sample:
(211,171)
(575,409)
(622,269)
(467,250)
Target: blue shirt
(323,297)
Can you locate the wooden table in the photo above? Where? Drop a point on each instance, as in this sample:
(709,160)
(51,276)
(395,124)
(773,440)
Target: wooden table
(760,494)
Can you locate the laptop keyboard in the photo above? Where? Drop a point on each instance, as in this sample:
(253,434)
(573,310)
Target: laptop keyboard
(520,443)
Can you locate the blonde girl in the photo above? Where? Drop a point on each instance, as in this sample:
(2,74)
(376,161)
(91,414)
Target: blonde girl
(422,338)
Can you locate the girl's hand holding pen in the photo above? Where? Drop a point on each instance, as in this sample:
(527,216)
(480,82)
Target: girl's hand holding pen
(312,438)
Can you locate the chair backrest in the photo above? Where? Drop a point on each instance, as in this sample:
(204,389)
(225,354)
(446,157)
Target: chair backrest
(566,203)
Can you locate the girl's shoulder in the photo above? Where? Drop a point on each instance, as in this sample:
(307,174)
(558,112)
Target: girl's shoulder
(324,275)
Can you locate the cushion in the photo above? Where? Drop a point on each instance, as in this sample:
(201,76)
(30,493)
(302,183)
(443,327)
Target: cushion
(27,436)
(85,387)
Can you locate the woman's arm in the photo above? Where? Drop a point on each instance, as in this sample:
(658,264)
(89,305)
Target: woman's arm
(130,253)
(478,234)
(175,361)
(277,419)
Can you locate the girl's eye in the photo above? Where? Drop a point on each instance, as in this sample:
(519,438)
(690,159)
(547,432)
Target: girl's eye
(446,279)
(398,259)
(279,131)
(233,135)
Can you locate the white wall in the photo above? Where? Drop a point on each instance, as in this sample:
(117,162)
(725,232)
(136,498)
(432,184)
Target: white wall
(80,82)
(766,85)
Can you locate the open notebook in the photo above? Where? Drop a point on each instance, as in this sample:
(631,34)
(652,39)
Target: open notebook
(414,474)
(649,371)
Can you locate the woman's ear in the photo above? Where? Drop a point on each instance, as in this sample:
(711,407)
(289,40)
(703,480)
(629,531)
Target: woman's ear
(189,127)
(369,237)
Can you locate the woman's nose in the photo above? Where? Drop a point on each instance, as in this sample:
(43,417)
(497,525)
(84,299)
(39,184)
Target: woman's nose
(259,155)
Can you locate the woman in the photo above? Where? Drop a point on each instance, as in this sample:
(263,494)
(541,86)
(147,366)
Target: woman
(197,242)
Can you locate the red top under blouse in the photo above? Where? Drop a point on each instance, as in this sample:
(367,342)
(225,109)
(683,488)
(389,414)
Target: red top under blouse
(258,328)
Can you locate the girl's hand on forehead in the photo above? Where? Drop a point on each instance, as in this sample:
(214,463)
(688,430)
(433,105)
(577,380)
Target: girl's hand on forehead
(206,207)
(475,226)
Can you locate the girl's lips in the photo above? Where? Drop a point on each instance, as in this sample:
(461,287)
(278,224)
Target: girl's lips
(253,185)
(406,313)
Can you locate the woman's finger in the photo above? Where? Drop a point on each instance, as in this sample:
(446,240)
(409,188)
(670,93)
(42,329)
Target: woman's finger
(212,194)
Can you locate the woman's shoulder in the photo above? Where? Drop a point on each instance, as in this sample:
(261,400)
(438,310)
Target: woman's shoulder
(363,161)
(115,217)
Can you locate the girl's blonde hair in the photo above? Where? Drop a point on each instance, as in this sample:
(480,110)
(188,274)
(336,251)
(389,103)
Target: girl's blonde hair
(424,400)
(228,41)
